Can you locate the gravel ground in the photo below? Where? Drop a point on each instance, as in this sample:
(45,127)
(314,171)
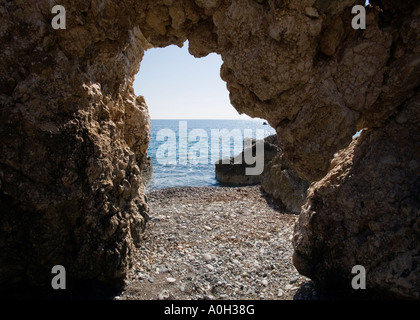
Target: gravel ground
(216,243)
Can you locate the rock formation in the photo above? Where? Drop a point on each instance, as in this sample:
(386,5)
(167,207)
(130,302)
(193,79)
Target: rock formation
(365,211)
(73,142)
(278,179)
(147,172)
(74,136)
(282,182)
(232,172)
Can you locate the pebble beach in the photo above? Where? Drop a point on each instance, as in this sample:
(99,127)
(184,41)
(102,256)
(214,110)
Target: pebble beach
(216,243)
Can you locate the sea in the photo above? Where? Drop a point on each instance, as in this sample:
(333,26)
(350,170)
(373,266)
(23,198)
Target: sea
(184,152)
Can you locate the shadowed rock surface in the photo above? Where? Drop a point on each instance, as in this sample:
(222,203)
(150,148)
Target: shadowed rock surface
(74,136)
(232,171)
(372,219)
(147,172)
(278,178)
(282,182)
(73,142)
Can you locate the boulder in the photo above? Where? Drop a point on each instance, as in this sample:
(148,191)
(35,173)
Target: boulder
(282,182)
(232,171)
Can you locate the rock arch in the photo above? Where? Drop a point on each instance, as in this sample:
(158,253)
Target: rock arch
(74,135)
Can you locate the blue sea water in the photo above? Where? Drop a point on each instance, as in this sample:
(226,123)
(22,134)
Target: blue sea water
(184,151)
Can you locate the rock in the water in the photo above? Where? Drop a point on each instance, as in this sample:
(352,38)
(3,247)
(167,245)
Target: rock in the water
(233,171)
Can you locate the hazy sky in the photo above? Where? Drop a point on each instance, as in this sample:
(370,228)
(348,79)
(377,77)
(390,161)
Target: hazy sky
(178,86)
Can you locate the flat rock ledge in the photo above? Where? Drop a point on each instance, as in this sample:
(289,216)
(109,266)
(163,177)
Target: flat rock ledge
(216,243)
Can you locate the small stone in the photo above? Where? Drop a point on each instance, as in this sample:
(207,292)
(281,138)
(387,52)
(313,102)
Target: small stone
(171,280)
(280,293)
(264,282)
(311,12)
(237,253)
(164,295)
(207,228)
(294,279)
(150,279)
(250,291)
(207,257)
(210,267)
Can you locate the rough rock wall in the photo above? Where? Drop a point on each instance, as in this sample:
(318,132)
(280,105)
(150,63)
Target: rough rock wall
(74,135)
(73,141)
(282,182)
(365,211)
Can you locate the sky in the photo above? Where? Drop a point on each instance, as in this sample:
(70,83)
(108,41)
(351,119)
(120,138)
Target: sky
(178,86)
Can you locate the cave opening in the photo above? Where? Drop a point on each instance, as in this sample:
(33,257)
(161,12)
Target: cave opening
(187,98)
(204,242)
(74,138)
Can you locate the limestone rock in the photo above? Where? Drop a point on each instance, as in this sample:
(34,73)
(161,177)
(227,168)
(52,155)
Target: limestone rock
(282,182)
(73,139)
(74,136)
(147,172)
(366,211)
(233,172)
